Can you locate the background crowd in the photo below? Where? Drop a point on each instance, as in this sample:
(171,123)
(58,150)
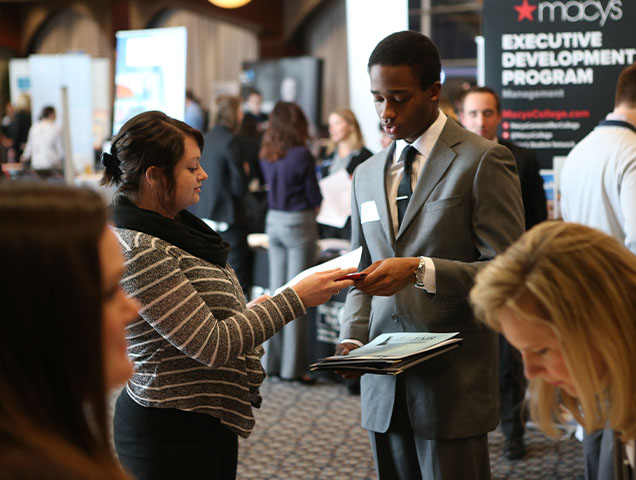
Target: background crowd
(159,300)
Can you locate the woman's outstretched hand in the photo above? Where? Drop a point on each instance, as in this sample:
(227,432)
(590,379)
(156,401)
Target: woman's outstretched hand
(258,300)
(318,288)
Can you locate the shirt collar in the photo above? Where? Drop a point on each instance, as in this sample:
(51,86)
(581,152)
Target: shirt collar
(616,116)
(425,142)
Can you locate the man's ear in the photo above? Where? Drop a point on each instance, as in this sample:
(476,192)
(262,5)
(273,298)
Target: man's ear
(436,91)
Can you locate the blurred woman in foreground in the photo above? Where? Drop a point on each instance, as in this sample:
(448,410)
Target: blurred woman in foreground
(565,296)
(62,343)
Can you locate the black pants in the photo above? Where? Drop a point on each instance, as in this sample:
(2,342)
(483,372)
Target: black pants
(164,443)
(512,389)
(240,257)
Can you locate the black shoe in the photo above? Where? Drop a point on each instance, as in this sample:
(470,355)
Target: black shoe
(307,379)
(353,386)
(514,448)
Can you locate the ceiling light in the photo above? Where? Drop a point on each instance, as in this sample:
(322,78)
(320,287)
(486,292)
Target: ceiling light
(229,3)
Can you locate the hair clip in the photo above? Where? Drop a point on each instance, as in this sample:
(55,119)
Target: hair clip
(111,164)
(107,160)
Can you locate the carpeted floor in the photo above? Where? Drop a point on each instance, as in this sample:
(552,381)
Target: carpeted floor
(313,432)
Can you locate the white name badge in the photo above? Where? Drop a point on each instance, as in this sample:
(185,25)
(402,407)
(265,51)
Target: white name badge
(369,212)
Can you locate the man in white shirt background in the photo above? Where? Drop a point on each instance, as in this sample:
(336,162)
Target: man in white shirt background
(598,180)
(598,189)
(44,144)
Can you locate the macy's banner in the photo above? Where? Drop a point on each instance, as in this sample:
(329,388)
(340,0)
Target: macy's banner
(555,66)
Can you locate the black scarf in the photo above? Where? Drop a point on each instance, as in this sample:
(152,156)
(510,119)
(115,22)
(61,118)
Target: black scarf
(189,232)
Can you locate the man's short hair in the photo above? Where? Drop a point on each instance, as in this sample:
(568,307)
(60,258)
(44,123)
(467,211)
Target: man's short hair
(626,87)
(476,89)
(412,49)
(47,112)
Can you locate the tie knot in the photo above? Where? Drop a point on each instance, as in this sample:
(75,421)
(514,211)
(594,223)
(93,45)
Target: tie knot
(408,155)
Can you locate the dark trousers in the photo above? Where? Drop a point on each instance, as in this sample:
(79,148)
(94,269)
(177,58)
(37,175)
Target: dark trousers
(165,444)
(403,454)
(512,390)
(599,454)
(240,254)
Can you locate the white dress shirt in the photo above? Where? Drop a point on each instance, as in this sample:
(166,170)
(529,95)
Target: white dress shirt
(44,145)
(598,182)
(423,144)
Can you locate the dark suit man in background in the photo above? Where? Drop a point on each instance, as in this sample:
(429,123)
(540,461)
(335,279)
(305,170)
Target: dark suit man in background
(427,216)
(481,114)
(222,201)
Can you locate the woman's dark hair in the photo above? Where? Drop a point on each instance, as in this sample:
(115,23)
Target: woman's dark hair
(227,111)
(51,361)
(287,128)
(409,48)
(150,139)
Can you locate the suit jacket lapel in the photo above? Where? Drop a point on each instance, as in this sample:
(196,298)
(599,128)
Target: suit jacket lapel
(378,191)
(440,158)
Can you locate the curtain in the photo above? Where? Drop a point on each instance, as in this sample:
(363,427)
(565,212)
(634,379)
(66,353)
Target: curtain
(71,31)
(215,53)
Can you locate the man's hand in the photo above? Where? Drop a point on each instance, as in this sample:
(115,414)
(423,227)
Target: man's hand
(389,276)
(344,349)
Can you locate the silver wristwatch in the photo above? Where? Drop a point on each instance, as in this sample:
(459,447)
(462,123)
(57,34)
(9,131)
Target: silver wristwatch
(419,273)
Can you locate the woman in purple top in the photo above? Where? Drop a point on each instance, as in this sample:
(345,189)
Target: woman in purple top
(294,199)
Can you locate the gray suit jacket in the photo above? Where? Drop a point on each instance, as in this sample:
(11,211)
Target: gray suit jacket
(465,208)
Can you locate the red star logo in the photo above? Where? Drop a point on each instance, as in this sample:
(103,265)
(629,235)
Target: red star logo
(525,11)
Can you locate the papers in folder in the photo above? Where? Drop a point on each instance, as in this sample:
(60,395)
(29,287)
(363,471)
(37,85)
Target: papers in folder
(336,199)
(391,353)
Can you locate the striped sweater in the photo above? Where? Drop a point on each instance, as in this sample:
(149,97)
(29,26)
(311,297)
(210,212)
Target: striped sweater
(195,346)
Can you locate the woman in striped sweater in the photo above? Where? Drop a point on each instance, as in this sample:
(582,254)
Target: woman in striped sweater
(196,346)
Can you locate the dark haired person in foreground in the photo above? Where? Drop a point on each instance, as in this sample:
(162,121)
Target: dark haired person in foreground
(564,295)
(62,343)
(429,211)
(196,348)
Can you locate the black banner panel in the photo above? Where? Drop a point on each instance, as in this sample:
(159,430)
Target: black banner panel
(555,66)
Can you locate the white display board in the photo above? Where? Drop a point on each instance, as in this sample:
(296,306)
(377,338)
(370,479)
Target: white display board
(150,73)
(49,73)
(19,78)
(368,22)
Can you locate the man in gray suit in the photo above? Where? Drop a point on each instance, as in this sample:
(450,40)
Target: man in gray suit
(427,219)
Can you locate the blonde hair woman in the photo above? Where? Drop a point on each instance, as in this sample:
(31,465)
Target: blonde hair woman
(346,144)
(345,150)
(565,296)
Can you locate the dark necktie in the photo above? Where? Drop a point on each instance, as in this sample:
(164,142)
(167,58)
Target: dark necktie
(404,189)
